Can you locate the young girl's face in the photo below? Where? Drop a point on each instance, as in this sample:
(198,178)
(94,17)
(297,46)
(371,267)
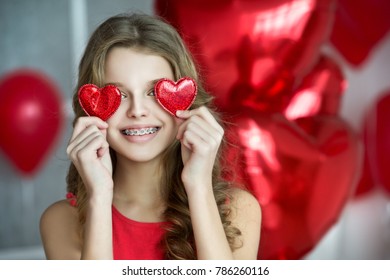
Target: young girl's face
(140,130)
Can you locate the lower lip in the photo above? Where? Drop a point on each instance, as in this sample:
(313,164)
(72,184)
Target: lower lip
(140,139)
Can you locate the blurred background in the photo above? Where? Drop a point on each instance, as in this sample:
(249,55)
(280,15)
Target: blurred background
(42,42)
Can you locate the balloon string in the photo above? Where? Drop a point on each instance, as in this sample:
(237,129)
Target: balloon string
(28,207)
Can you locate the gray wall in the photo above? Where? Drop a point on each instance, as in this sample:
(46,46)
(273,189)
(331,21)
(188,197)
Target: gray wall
(38,34)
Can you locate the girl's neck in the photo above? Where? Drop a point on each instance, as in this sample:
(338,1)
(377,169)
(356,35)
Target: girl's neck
(134,181)
(137,193)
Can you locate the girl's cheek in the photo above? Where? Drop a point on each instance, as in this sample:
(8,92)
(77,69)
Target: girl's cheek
(119,113)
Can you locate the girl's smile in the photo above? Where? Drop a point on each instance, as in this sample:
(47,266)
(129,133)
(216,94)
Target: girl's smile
(141,133)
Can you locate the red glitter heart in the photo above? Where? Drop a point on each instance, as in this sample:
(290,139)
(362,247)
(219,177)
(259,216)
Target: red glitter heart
(175,96)
(99,102)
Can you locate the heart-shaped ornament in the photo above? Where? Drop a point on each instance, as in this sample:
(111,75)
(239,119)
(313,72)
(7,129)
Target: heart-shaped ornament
(99,102)
(175,96)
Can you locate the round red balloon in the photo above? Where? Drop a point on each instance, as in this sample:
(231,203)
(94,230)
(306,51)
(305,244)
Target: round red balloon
(30,117)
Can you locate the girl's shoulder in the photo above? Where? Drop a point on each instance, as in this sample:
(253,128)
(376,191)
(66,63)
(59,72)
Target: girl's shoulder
(246,216)
(60,210)
(245,208)
(243,199)
(59,228)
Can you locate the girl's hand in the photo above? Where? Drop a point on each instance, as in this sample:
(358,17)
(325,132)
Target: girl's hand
(200,135)
(89,151)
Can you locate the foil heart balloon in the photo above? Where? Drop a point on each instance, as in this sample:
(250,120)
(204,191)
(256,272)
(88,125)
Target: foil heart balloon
(320,91)
(266,46)
(175,96)
(377,140)
(303,168)
(99,102)
(354,34)
(302,174)
(302,164)
(367,182)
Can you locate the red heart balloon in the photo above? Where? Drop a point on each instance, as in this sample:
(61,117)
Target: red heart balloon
(319,93)
(176,96)
(263,47)
(367,180)
(99,102)
(303,166)
(31,118)
(355,34)
(377,140)
(302,174)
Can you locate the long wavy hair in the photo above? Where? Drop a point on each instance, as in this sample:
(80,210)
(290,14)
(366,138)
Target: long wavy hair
(153,35)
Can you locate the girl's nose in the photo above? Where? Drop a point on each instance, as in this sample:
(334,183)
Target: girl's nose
(137,108)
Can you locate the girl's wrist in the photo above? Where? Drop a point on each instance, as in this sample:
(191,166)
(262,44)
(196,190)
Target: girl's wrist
(199,191)
(100,198)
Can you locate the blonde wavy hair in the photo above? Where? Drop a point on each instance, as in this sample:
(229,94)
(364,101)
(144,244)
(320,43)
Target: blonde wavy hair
(152,34)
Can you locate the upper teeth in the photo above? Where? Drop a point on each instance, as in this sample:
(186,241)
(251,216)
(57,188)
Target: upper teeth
(140,132)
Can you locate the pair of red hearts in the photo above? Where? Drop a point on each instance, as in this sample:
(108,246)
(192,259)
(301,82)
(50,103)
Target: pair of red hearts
(103,102)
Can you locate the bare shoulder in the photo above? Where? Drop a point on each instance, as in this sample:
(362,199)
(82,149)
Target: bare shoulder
(244,201)
(59,228)
(61,207)
(60,213)
(246,216)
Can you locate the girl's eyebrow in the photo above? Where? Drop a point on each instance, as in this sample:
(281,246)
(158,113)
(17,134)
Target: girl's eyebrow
(150,83)
(153,82)
(114,84)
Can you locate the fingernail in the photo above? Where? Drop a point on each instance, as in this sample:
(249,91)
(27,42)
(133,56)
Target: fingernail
(179,113)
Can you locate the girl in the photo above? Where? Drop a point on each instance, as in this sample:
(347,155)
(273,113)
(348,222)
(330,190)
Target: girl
(148,184)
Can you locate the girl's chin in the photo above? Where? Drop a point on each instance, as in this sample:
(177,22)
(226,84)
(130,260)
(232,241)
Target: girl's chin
(136,155)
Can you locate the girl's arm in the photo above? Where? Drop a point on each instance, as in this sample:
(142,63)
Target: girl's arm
(211,242)
(88,150)
(201,135)
(97,238)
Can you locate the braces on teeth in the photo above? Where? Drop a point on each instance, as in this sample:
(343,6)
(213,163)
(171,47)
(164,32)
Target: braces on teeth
(140,132)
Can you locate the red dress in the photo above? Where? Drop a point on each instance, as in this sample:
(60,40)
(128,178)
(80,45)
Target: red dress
(134,240)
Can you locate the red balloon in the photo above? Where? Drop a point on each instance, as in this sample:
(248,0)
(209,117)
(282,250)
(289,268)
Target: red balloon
(263,58)
(359,26)
(319,93)
(367,182)
(378,141)
(252,49)
(30,117)
(302,174)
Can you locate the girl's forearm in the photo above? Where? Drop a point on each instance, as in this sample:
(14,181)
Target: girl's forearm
(98,231)
(210,238)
